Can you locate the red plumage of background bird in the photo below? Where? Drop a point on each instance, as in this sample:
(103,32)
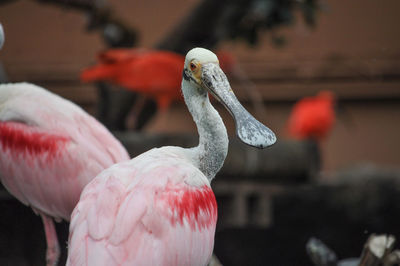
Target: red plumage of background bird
(155,74)
(313,117)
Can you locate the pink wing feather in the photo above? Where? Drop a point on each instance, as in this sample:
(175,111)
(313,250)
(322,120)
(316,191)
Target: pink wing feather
(156,209)
(50,148)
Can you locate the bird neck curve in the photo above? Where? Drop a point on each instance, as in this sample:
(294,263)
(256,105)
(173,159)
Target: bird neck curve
(210,154)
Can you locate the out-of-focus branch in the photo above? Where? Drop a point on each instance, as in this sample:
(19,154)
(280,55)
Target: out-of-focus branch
(196,29)
(115,31)
(85,5)
(6,2)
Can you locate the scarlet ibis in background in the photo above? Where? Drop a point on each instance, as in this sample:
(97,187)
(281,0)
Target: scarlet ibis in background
(156,74)
(158,208)
(313,117)
(50,149)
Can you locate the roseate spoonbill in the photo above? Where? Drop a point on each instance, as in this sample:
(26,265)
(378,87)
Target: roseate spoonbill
(50,149)
(158,208)
(312,117)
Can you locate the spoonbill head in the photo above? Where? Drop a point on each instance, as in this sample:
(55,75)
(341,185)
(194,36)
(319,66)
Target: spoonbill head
(203,71)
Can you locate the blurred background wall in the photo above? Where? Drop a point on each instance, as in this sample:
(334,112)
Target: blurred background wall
(353,50)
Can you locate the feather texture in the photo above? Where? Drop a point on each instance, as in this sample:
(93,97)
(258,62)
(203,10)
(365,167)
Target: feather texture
(157,209)
(50,148)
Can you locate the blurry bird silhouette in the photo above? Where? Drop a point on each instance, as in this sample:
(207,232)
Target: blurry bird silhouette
(313,117)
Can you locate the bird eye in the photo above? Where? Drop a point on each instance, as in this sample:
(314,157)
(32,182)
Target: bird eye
(193,66)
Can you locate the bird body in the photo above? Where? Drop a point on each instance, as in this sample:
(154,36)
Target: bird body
(158,208)
(156,74)
(50,149)
(312,117)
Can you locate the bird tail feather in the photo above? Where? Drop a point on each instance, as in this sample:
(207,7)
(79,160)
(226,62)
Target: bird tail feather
(96,73)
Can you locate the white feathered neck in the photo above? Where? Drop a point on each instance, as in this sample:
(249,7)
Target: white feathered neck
(210,154)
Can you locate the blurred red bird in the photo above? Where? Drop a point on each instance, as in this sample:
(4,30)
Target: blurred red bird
(313,117)
(156,74)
